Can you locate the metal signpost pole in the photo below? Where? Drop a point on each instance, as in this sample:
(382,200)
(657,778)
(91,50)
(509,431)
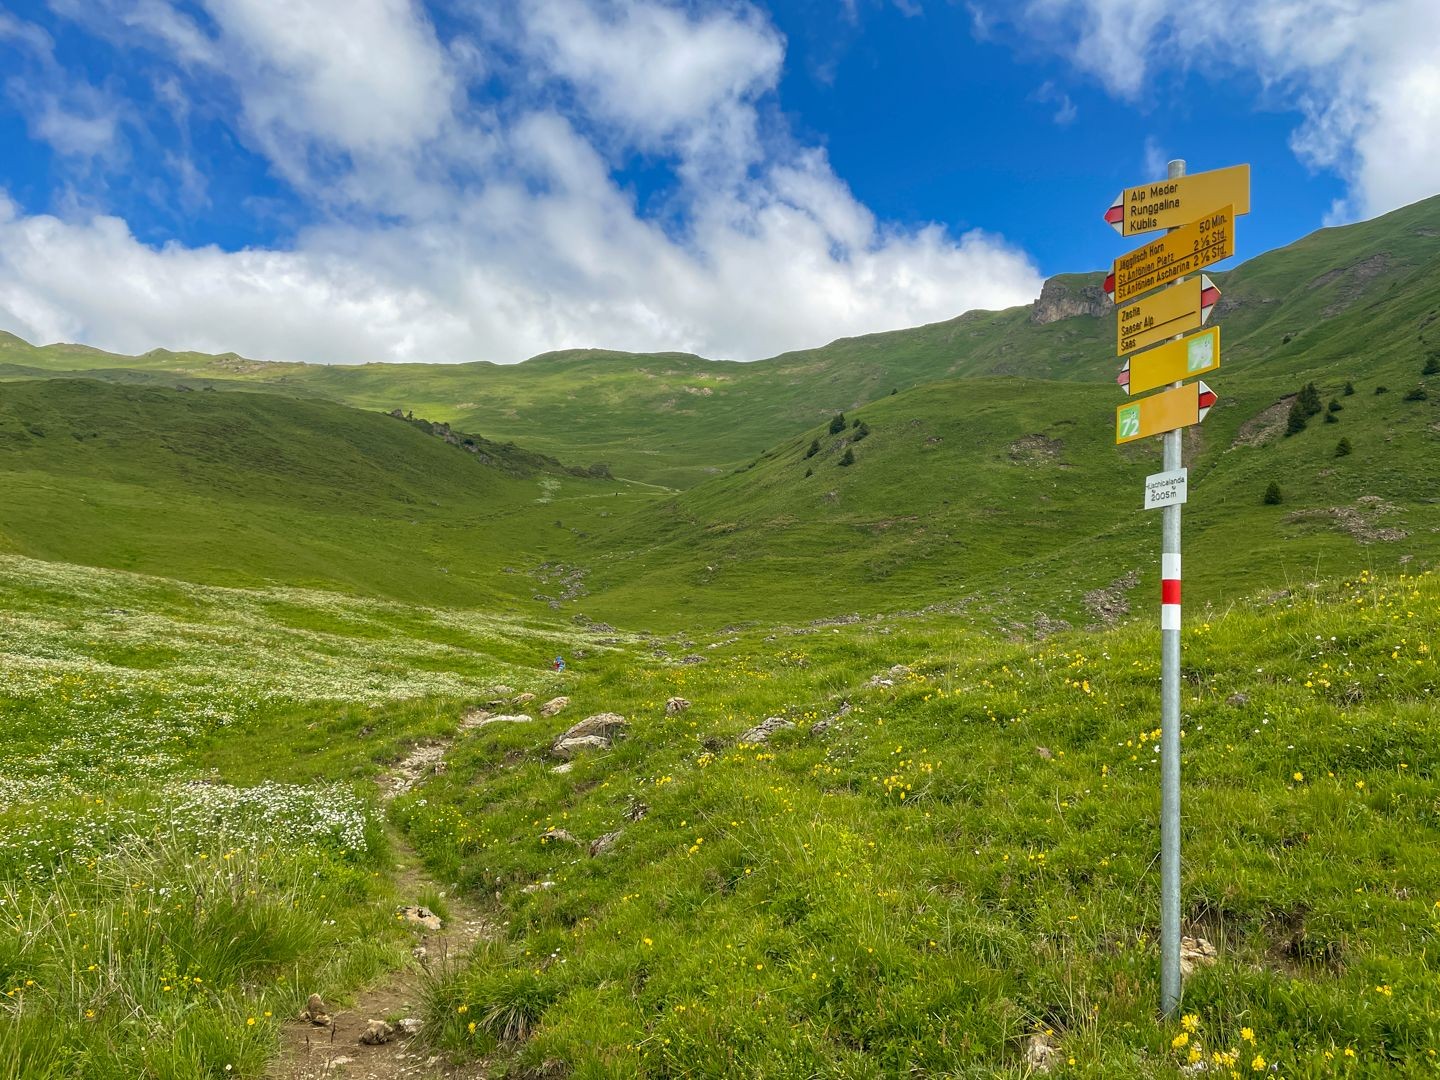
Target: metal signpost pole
(1170,727)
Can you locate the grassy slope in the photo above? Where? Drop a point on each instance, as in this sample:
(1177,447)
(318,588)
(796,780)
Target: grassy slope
(966,858)
(156,921)
(247,488)
(674,419)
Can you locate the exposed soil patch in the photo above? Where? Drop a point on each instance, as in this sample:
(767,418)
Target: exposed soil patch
(1110,603)
(1352,280)
(1035,450)
(1358,521)
(1266,426)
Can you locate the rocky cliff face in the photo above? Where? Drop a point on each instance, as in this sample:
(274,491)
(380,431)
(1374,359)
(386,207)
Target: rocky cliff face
(1062,298)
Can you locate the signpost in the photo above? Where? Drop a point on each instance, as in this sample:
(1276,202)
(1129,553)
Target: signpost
(1179,407)
(1200,213)
(1179,200)
(1182,251)
(1172,362)
(1183,307)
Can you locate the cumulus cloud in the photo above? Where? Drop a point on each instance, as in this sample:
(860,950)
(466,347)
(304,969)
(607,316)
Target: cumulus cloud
(1364,74)
(453,226)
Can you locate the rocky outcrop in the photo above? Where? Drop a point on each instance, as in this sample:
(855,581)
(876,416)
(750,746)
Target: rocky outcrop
(1067,297)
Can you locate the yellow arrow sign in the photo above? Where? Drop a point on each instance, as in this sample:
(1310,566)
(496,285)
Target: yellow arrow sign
(1184,251)
(1178,408)
(1179,309)
(1167,204)
(1172,362)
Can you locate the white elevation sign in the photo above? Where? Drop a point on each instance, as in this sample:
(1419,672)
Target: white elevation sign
(1166,488)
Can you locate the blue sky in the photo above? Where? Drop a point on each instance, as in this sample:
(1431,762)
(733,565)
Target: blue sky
(353,180)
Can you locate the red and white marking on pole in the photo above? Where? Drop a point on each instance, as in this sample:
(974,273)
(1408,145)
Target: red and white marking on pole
(1169,592)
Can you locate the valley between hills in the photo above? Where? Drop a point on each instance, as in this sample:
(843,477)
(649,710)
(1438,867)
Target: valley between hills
(850,769)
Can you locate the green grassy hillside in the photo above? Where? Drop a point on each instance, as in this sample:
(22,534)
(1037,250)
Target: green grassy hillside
(1356,295)
(249,488)
(955,866)
(1007,500)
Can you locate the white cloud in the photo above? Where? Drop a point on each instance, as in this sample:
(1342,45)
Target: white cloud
(496,231)
(1365,74)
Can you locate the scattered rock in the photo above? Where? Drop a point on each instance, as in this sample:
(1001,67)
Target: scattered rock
(1045,752)
(559,835)
(824,725)
(691,660)
(568,748)
(1237,700)
(553,706)
(564,767)
(316,1012)
(420,952)
(420,916)
(1041,1054)
(524,699)
(877,681)
(899,671)
(377,1032)
(606,725)
(491,718)
(1195,952)
(410,1025)
(635,810)
(539,886)
(604,843)
(501,690)
(675,705)
(762,731)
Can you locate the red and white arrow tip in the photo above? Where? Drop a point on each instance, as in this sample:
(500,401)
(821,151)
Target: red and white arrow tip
(1116,214)
(1209,296)
(1207,400)
(1110,286)
(1124,377)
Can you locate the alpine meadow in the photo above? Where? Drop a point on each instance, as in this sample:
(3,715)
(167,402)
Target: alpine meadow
(643,715)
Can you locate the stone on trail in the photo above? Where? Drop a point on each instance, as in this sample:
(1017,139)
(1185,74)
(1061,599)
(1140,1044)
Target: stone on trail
(316,1012)
(676,705)
(410,1025)
(762,731)
(377,1032)
(420,916)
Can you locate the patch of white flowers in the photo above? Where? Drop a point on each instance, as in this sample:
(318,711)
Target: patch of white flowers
(110,680)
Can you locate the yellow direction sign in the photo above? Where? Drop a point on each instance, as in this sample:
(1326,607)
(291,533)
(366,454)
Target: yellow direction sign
(1172,362)
(1181,407)
(1168,204)
(1176,254)
(1179,309)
